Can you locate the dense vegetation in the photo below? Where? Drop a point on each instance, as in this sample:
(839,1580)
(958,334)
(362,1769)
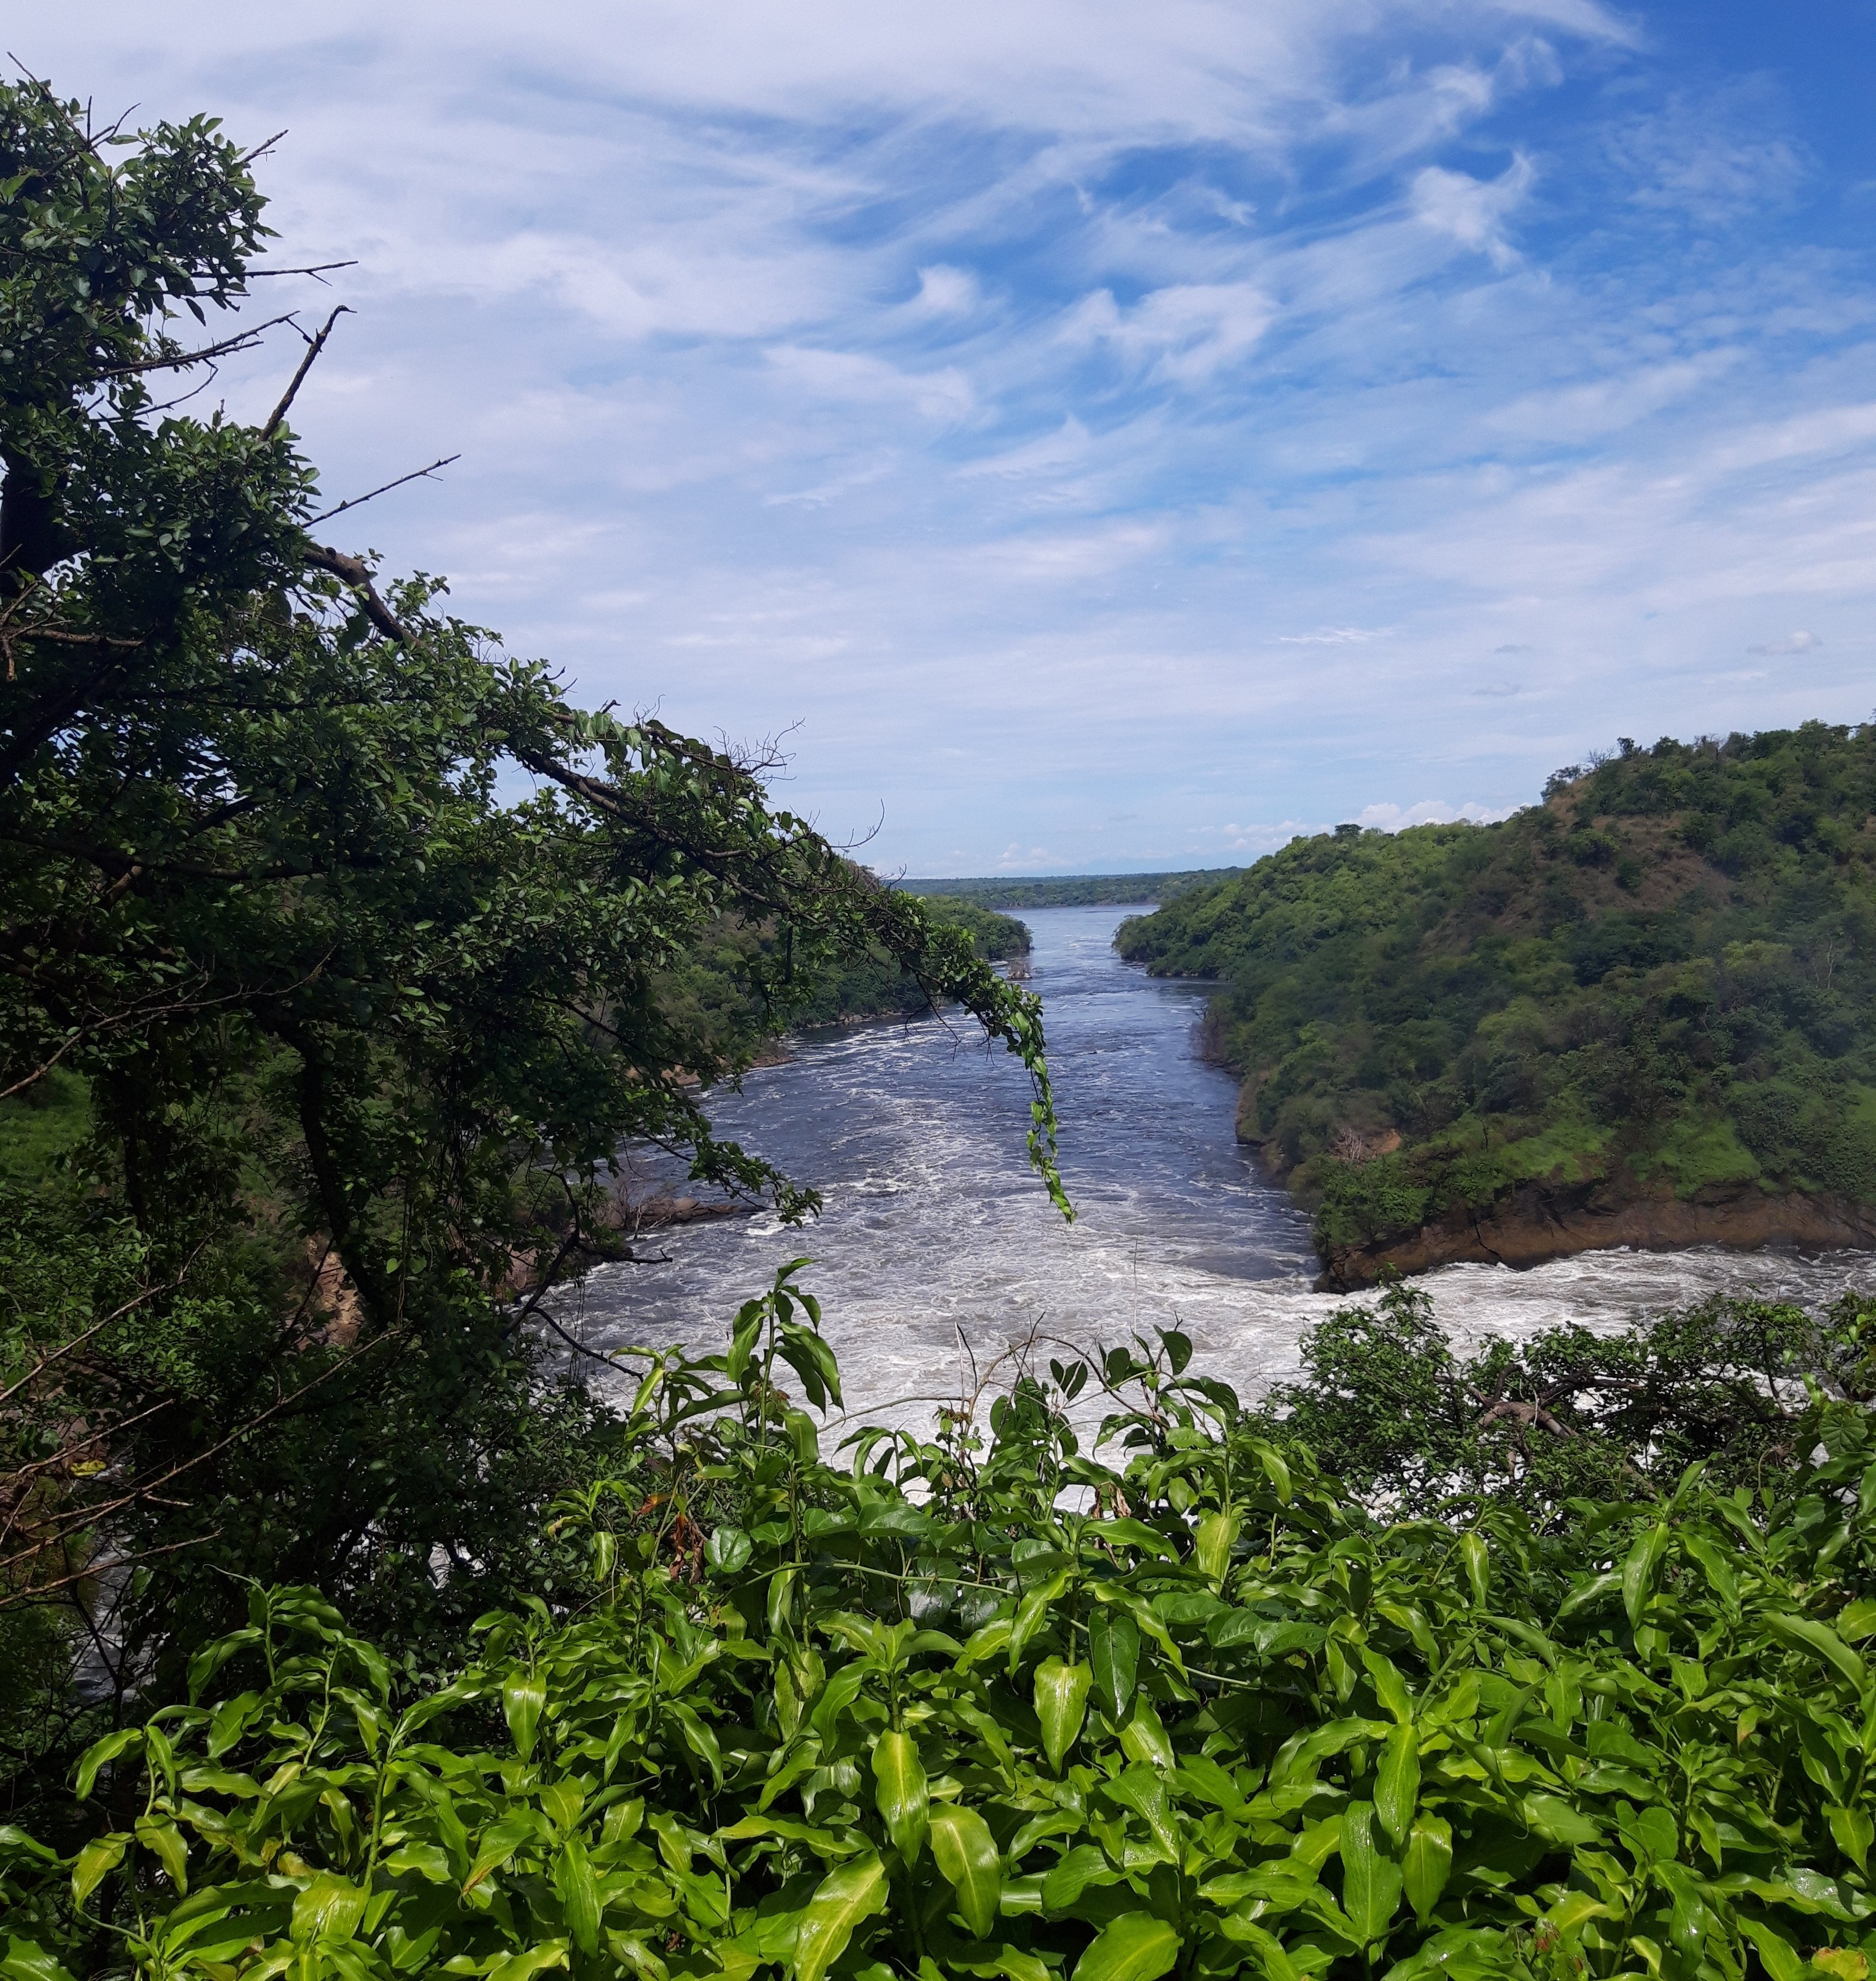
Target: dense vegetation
(727,982)
(998,1708)
(316,1056)
(1075,891)
(1658,982)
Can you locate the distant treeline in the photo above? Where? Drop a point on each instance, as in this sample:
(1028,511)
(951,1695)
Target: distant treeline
(1076,891)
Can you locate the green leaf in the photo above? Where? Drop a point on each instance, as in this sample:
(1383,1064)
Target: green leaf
(1781,1959)
(1478,1560)
(1854,1833)
(522,1695)
(1113,1659)
(1212,1540)
(1427,1863)
(27,1960)
(1390,1687)
(1397,1783)
(163,1840)
(728,1551)
(900,1793)
(847,1896)
(104,1854)
(109,1749)
(1061,1696)
(1638,1571)
(1802,1633)
(329,1909)
(1135,1947)
(1145,1738)
(966,1853)
(579,1892)
(1371,1881)
(498,1843)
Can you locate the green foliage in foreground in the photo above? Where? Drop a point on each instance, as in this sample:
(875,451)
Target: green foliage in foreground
(1657,982)
(1076,891)
(918,1718)
(738,978)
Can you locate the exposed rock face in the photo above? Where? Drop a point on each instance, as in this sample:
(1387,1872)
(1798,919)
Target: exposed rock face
(1538,1223)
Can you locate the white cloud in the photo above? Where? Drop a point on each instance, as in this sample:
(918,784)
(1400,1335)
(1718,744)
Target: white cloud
(1429,811)
(984,385)
(1182,334)
(946,291)
(1334,636)
(1792,643)
(1474,211)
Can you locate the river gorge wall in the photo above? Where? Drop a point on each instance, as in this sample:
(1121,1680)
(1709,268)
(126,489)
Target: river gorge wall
(1537,1224)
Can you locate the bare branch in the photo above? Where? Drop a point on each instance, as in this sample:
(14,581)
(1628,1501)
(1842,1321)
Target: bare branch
(415,475)
(242,340)
(313,346)
(316,268)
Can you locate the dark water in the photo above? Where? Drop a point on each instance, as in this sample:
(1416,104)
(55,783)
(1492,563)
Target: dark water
(937,1245)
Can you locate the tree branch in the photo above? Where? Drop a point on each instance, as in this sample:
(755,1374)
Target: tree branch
(313,346)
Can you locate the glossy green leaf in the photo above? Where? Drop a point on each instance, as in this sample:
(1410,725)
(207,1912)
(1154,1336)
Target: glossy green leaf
(1371,1879)
(579,1893)
(1061,1696)
(966,1853)
(1640,1569)
(1803,1633)
(1781,1960)
(1212,1540)
(843,1900)
(1113,1659)
(727,1551)
(109,1749)
(101,1855)
(329,1909)
(1397,1783)
(163,1840)
(1426,1863)
(522,1695)
(1135,1947)
(1477,1559)
(900,1793)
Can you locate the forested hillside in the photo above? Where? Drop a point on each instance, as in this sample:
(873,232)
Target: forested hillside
(1640,1010)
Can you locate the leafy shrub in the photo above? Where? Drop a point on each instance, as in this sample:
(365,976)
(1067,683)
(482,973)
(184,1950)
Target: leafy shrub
(999,1709)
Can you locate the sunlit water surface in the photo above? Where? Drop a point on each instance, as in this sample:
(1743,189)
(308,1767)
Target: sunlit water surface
(938,1250)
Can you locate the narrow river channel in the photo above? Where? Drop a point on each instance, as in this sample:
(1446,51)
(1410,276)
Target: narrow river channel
(936,1245)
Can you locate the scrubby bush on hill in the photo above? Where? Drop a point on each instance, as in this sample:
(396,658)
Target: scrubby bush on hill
(1659,981)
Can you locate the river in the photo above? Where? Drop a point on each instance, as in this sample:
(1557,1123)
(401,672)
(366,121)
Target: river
(937,1248)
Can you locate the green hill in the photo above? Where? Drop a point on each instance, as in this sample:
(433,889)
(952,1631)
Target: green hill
(1638,1013)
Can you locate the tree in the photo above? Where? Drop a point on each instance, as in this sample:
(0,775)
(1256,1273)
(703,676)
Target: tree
(360,1039)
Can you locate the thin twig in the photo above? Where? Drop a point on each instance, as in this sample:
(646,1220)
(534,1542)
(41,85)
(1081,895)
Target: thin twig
(317,268)
(415,475)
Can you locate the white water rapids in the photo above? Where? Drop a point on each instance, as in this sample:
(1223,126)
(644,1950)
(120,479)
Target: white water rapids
(934,1234)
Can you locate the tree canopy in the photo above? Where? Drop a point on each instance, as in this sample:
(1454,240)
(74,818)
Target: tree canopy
(355,1039)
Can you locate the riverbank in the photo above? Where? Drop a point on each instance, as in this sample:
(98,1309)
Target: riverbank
(1540,1224)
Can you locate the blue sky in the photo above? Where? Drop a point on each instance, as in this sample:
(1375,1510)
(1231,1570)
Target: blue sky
(1095,434)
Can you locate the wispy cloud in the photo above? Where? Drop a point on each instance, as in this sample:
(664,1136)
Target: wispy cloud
(1083,409)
